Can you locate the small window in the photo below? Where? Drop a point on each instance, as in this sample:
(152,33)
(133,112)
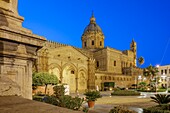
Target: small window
(114,63)
(97,64)
(113,78)
(130,64)
(100,43)
(109,78)
(105,78)
(169,71)
(72,72)
(95,78)
(85,44)
(162,71)
(92,43)
(165,71)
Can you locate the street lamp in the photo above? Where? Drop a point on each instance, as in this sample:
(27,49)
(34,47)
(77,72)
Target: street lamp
(156,79)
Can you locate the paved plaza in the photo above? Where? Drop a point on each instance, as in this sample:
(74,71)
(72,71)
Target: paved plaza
(14,104)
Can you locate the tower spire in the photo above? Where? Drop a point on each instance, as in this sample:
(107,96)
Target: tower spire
(92,19)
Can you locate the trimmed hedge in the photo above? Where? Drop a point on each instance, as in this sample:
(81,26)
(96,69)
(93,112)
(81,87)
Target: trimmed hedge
(38,98)
(163,108)
(125,93)
(121,109)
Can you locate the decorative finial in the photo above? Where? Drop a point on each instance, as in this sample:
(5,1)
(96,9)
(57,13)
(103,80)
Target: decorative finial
(92,13)
(92,19)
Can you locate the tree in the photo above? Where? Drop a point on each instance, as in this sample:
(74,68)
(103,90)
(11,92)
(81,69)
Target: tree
(150,72)
(43,78)
(161,98)
(140,60)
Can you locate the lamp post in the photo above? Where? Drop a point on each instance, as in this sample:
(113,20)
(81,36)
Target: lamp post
(156,79)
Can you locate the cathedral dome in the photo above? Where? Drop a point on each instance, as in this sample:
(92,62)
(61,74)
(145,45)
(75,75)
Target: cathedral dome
(92,26)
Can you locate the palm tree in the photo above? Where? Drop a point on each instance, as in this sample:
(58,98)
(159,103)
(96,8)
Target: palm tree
(161,98)
(150,72)
(140,60)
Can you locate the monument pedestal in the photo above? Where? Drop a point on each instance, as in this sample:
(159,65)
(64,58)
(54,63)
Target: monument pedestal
(18,51)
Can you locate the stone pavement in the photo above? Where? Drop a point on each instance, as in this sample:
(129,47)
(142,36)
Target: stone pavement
(107,102)
(14,104)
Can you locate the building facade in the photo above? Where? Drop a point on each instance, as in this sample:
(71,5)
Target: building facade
(164,76)
(92,65)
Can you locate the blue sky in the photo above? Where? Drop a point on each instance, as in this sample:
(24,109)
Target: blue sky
(147,21)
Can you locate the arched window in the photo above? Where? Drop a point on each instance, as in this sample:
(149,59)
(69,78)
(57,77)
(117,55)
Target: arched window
(85,44)
(92,43)
(100,43)
(72,71)
(97,64)
(113,78)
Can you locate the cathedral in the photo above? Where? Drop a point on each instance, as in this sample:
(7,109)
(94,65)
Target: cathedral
(92,65)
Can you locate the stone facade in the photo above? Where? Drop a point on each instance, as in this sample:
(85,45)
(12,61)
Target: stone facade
(164,76)
(91,66)
(18,51)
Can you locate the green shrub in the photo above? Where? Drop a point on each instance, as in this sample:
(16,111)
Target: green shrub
(38,98)
(70,102)
(161,90)
(161,98)
(59,90)
(50,100)
(92,95)
(125,93)
(121,109)
(163,108)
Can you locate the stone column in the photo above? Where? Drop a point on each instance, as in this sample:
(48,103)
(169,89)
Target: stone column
(91,73)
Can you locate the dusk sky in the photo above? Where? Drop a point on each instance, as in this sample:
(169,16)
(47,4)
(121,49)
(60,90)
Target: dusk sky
(63,21)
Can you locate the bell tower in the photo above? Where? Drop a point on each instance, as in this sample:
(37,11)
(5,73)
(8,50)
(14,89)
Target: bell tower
(133,48)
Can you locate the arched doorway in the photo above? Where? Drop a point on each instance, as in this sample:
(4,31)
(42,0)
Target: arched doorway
(69,77)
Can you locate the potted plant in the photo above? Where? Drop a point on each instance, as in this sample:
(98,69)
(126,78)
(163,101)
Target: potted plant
(91,97)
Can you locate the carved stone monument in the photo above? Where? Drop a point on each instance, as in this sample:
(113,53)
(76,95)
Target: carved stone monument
(18,51)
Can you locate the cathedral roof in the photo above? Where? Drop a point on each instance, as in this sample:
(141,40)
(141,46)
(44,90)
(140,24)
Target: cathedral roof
(92,25)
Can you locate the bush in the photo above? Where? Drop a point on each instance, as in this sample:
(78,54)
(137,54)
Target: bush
(92,95)
(161,90)
(70,102)
(163,108)
(125,93)
(38,98)
(161,98)
(121,109)
(50,100)
(59,90)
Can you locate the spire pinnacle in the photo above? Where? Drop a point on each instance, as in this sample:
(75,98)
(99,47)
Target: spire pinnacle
(92,13)
(92,19)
